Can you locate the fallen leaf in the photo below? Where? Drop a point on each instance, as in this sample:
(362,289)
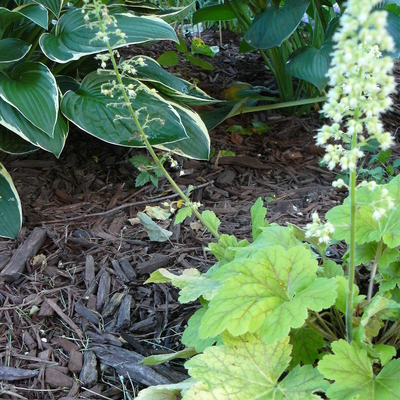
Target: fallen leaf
(156,234)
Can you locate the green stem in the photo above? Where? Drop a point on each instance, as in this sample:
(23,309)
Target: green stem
(373,272)
(317,329)
(352,248)
(147,143)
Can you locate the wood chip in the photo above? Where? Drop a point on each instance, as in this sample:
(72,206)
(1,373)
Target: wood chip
(89,373)
(45,310)
(118,270)
(89,271)
(66,344)
(55,378)
(15,374)
(113,304)
(147,267)
(103,291)
(86,313)
(27,250)
(75,361)
(129,272)
(124,312)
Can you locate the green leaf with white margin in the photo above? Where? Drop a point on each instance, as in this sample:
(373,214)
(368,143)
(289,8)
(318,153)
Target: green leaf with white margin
(34,12)
(393,28)
(10,206)
(7,17)
(274,25)
(197,143)
(14,121)
(53,5)
(11,143)
(272,290)
(98,114)
(352,372)
(212,220)
(247,368)
(258,213)
(72,39)
(163,358)
(174,87)
(165,392)
(174,14)
(311,64)
(191,337)
(192,284)
(367,228)
(11,51)
(306,343)
(32,89)
(155,232)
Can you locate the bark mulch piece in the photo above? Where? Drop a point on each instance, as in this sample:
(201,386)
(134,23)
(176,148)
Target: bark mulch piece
(75,312)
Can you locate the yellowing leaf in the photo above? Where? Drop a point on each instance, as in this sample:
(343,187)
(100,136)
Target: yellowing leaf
(272,290)
(157,213)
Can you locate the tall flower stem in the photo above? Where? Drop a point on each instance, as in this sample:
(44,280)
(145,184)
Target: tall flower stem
(146,141)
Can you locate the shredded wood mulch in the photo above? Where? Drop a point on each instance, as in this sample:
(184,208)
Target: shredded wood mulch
(75,314)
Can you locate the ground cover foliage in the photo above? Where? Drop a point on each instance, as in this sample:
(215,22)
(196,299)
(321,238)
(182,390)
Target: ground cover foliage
(264,303)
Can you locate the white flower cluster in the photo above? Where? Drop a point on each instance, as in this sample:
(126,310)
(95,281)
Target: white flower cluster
(319,230)
(361,84)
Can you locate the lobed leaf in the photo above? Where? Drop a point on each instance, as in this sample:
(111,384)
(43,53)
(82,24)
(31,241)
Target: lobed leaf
(306,343)
(258,213)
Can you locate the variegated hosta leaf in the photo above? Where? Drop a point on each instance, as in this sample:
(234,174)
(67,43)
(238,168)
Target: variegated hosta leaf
(102,117)
(10,206)
(272,291)
(72,39)
(11,51)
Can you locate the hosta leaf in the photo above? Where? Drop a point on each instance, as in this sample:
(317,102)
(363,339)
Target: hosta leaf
(258,213)
(306,343)
(53,5)
(10,206)
(367,228)
(247,368)
(174,14)
(71,38)
(174,87)
(197,143)
(191,282)
(31,88)
(352,372)
(34,12)
(311,64)
(7,17)
(11,143)
(276,24)
(12,50)
(220,12)
(393,28)
(96,114)
(273,289)
(191,337)
(14,121)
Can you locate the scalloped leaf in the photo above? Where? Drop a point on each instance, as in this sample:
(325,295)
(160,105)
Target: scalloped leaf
(306,343)
(258,213)
(10,206)
(272,290)
(368,229)
(72,39)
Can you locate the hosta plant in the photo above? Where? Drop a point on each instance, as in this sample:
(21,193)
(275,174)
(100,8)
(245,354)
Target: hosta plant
(278,319)
(48,78)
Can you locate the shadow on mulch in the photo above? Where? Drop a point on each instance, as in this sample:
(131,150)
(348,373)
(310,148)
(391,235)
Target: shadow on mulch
(77,315)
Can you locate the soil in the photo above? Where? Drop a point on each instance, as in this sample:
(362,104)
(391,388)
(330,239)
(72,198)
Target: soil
(80,316)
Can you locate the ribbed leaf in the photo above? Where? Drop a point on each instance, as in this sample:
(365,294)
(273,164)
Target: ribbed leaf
(10,206)
(12,50)
(393,27)
(53,5)
(174,14)
(98,114)
(31,88)
(11,143)
(35,12)
(13,120)
(71,38)
(220,12)
(7,17)
(311,64)
(171,85)
(274,25)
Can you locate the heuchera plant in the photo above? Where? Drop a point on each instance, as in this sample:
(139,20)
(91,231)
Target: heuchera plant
(278,319)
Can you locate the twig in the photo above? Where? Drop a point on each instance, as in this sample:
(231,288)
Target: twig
(113,210)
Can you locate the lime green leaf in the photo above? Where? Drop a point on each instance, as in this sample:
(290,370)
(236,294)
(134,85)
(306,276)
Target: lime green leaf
(34,12)
(199,62)
(14,121)
(98,114)
(12,50)
(366,252)
(190,337)
(10,206)
(258,213)
(165,392)
(197,143)
(329,269)
(226,248)
(211,219)
(306,343)
(276,24)
(192,283)
(163,358)
(220,12)
(32,89)
(311,64)
(273,289)
(247,368)
(71,38)
(156,233)
(168,59)
(367,228)
(390,277)
(182,214)
(352,372)
(13,144)
(386,352)
(342,284)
